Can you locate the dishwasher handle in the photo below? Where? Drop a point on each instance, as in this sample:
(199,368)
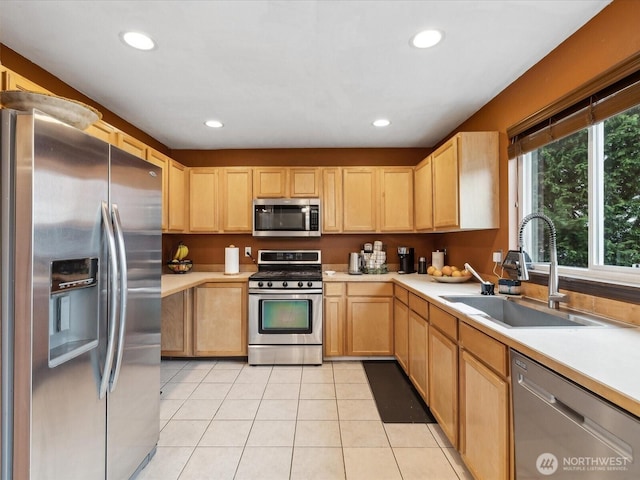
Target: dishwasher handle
(618,445)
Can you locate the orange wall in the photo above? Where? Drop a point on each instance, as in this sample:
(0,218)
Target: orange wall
(608,39)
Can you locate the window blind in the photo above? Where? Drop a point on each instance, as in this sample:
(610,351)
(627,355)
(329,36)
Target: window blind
(614,91)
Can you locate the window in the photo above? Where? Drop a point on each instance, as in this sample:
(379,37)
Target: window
(588,183)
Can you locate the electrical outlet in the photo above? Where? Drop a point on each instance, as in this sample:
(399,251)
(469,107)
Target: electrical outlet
(247,251)
(497,256)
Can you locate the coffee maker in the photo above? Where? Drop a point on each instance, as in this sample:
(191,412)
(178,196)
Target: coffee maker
(407,260)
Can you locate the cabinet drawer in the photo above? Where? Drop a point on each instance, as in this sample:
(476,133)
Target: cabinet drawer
(370,289)
(333,289)
(448,324)
(487,349)
(419,305)
(401,294)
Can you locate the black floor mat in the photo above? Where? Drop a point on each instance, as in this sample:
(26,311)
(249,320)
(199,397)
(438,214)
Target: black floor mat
(396,398)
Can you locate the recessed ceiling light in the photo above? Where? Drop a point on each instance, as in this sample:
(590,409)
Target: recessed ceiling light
(381,122)
(138,40)
(426,38)
(214,124)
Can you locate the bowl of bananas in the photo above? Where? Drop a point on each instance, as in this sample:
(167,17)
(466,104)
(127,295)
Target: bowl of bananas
(180,263)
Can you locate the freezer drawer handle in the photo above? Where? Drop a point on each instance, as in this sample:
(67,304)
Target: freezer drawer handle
(113,277)
(124,292)
(615,443)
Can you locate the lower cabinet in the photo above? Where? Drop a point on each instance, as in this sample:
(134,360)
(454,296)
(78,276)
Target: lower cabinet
(220,319)
(484,405)
(176,337)
(419,354)
(334,319)
(401,332)
(443,372)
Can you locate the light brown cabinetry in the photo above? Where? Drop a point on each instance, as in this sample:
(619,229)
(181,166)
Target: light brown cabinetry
(176,325)
(360,199)
(131,145)
(419,351)
(423,195)
(220,319)
(270,182)
(236,202)
(334,319)
(465,182)
(203,200)
(401,326)
(369,318)
(177,197)
(396,199)
(162,161)
(443,371)
(304,182)
(484,405)
(331,200)
(103,131)
(14,81)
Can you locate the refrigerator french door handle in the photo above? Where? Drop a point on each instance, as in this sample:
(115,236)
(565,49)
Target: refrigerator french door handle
(113,298)
(124,293)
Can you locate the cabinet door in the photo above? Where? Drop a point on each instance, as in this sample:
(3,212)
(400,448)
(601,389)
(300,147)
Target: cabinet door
(220,320)
(203,200)
(445,185)
(360,199)
(418,354)
(484,420)
(443,383)
(103,131)
(396,203)
(131,145)
(304,182)
(369,326)
(13,81)
(270,182)
(423,195)
(331,200)
(162,161)
(176,325)
(334,326)
(236,201)
(401,333)
(177,187)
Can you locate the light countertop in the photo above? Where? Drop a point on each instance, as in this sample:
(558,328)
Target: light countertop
(603,359)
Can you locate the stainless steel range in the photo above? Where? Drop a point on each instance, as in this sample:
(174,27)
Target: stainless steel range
(285,308)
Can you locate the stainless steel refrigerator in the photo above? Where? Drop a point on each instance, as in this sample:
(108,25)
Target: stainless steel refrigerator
(81,266)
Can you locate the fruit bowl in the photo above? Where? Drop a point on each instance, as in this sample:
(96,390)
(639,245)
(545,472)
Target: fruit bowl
(180,266)
(444,279)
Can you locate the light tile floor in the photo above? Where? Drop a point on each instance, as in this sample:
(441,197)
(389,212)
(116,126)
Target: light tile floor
(228,420)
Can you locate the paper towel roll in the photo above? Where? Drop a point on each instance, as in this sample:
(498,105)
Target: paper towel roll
(231,260)
(437,260)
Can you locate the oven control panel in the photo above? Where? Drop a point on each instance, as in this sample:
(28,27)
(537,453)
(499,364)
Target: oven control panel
(286,284)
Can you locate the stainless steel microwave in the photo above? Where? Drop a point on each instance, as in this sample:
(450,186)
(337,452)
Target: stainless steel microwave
(286,217)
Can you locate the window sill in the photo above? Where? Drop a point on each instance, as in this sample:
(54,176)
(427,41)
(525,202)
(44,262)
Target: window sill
(598,288)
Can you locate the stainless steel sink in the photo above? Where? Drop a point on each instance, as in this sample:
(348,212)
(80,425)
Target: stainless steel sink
(518,313)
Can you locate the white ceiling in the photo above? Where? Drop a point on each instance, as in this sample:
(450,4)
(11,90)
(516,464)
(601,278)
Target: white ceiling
(291,74)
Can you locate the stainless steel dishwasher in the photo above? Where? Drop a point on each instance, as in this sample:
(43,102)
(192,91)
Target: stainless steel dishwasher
(563,431)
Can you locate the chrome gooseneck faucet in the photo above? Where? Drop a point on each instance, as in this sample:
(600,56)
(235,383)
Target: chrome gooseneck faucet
(555,297)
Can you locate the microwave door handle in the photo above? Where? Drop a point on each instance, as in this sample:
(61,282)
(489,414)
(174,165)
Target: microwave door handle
(307,220)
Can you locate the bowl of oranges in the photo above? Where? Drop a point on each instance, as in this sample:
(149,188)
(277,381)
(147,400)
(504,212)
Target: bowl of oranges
(449,274)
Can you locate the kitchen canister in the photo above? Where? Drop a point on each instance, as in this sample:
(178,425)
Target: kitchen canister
(231,260)
(437,259)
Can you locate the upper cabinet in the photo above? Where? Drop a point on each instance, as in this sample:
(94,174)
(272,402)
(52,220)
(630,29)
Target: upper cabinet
(331,200)
(236,201)
(270,182)
(203,200)
(396,199)
(177,193)
(13,81)
(456,187)
(283,182)
(360,195)
(131,145)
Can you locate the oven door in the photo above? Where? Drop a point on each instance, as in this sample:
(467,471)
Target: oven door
(285,318)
